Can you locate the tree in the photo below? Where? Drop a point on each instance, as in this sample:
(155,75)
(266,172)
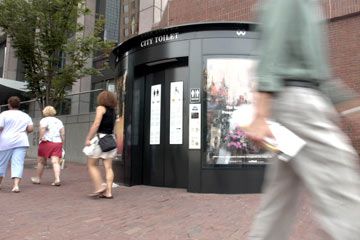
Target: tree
(43,34)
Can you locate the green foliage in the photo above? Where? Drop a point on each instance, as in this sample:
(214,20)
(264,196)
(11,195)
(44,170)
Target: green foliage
(47,33)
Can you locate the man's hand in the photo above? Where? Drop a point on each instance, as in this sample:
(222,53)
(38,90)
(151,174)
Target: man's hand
(259,129)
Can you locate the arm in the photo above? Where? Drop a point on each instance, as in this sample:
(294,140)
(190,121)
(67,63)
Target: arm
(100,111)
(274,38)
(42,131)
(30,125)
(274,44)
(29,128)
(345,99)
(62,134)
(1,123)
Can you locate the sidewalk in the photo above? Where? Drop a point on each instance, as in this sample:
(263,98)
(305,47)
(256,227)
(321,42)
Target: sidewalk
(42,212)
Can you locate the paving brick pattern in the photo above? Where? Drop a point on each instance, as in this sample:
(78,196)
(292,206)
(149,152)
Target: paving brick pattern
(42,212)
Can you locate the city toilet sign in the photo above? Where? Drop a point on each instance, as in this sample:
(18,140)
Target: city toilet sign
(159,39)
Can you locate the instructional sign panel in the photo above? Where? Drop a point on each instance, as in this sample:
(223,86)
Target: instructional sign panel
(176,113)
(195,95)
(194,126)
(155,114)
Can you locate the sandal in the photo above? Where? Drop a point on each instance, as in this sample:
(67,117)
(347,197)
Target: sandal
(106,197)
(15,190)
(35,180)
(97,193)
(56,184)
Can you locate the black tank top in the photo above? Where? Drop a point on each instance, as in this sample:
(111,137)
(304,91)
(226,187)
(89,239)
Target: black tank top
(107,121)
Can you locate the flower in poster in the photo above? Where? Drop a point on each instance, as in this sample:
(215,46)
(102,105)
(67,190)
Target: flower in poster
(236,140)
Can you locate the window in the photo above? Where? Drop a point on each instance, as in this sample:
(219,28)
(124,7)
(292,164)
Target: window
(110,85)
(94,94)
(20,71)
(229,105)
(126,20)
(126,8)
(133,4)
(2,57)
(133,24)
(126,32)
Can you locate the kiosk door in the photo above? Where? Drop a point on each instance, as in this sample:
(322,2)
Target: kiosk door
(164,160)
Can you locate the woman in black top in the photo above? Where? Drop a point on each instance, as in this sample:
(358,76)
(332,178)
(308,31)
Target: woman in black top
(103,124)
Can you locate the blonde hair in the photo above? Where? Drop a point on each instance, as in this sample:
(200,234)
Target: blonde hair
(49,111)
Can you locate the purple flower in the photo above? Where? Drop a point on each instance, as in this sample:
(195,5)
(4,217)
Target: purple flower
(236,139)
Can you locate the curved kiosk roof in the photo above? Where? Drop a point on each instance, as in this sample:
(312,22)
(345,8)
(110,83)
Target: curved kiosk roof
(185,91)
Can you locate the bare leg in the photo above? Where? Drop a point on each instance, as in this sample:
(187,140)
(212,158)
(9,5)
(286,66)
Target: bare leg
(40,167)
(56,167)
(16,184)
(109,176)
(94,173)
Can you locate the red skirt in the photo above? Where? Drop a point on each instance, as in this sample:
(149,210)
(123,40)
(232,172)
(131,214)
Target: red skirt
(50,149)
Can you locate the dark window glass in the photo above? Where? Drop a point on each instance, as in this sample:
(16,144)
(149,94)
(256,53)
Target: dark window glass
(2,57)
(20,71)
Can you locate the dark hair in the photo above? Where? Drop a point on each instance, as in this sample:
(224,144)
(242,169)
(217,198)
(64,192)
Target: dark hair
(14,102)
(107,99)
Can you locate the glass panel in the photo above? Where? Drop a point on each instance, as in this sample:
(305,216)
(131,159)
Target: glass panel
(229,105)
(2,57)
(157,15)
(126,8)
(133,24)
(110,86)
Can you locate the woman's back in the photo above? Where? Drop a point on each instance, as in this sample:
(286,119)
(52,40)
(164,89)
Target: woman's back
(14,124)
(53,126)
(108,121)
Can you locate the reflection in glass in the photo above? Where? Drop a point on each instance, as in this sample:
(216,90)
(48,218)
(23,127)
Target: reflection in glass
(230,105)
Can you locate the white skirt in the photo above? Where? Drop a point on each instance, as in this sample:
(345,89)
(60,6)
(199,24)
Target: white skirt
(94,150)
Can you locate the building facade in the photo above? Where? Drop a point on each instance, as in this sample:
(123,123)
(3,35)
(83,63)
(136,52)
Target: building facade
(139,16)
(11,73)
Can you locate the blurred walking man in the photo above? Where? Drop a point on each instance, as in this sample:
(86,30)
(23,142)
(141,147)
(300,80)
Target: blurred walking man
(293,75)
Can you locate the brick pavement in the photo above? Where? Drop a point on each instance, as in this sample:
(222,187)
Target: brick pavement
(42,212)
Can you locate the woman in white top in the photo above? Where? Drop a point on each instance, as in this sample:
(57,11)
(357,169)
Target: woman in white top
(14,126)
(51,136)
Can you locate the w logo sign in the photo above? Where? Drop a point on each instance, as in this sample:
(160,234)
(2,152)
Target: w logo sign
(240,33)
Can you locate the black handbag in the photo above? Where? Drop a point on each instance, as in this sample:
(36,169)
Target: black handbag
(107,143)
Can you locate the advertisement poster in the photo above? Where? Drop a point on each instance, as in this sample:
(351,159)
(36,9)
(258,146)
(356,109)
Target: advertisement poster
(176,113)
(155,114)
(229,107)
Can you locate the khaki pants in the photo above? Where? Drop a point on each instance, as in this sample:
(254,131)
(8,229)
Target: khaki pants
(327,167)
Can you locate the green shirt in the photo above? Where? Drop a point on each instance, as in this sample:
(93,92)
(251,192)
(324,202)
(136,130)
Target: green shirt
(293,44)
